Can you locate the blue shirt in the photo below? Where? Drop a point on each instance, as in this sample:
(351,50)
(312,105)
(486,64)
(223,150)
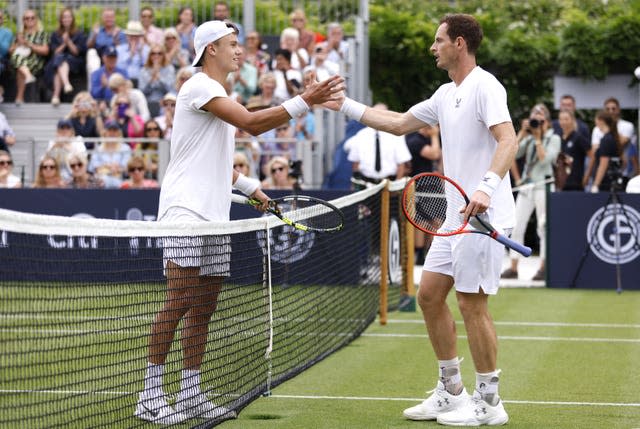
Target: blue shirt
(6,37)
(97,90)
(103,40)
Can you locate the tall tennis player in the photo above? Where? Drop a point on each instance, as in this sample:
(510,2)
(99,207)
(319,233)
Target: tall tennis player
(197,188)
(478,147)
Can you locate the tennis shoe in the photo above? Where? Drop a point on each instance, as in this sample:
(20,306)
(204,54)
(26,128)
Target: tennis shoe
(477,412)
(438,403)
(198,406)
(157,410)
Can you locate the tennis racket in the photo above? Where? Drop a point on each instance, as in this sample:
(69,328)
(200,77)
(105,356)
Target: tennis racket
(432,203)
(301,212)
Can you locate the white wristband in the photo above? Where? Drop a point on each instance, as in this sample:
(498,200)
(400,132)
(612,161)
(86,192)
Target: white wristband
(489,183)
(352,108)
(246,185)
(295,106)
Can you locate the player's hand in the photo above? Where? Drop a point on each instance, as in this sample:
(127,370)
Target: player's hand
(479,203)
(329,90)
(263,198)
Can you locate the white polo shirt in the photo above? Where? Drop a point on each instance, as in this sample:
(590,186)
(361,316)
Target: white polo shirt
(199,174)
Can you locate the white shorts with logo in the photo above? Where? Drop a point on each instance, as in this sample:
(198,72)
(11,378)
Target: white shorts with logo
(473,260)
(212,253)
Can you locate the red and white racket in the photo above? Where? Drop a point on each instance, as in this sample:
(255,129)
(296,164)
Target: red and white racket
(432,203)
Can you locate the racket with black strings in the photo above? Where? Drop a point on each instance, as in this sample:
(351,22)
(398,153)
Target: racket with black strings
(432,203)
(301,212)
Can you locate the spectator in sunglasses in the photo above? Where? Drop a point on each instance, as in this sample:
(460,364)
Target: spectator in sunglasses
(137,171)
(7,179)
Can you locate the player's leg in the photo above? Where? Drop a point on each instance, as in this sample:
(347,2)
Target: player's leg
(435,284)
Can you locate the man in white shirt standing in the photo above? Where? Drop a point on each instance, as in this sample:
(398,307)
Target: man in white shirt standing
(478,147)
(197,188)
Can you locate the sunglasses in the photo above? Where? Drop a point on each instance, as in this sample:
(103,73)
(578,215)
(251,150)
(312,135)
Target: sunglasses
(77,165)
(132,169)
(276,169)
(152,129)
(48,167)
(146,15)
(28,18)
(282,129)
(239,165)
(156,53)
(4,163)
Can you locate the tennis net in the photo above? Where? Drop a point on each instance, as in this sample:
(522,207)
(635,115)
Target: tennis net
(77,297)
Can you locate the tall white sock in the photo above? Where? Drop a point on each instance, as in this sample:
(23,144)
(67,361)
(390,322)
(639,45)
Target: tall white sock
(153,380)
(449,372)
(190,384)
(487,386)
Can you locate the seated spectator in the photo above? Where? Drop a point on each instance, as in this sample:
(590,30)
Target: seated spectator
(157,78)
(29,52)
(241,163)
(109,160)
(267,87)
(176,55)
(307,38)
(244,80)
(152,34)
(137,170)
(133,54)
(255,55)
(337,48)
(85,118)
(124,115)
(6,38)
(182,76)
(277,172)
(249,147)
(323,67)
(304,126)
(288,79)
(7,178)
(121,85)
(68,47)
(165,120)
(107,35)
(290,40)
(7,136)
(80,177)
(148,149)
(48,174)
(186,29)
(64,143)
(221,12)
(100,89)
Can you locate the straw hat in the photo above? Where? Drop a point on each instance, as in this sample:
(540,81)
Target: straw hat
(134,28)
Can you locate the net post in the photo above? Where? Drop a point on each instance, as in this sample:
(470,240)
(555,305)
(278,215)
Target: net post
(384,253)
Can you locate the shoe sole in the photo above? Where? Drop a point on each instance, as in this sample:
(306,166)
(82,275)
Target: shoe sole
(174,419)
(497,422)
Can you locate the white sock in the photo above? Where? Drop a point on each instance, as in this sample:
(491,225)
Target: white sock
(153,380)
(190,385)
(449,372)
(487,386)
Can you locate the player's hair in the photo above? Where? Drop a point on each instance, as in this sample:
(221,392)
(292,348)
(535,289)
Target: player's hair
(465,26)
(608,119)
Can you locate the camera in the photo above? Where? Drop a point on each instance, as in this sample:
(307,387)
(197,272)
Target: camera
(295,169)
(534,123)
(614,169)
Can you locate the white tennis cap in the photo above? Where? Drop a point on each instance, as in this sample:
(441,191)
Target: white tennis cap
(207,33)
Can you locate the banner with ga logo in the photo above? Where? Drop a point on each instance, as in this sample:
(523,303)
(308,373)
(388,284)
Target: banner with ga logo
(589,236)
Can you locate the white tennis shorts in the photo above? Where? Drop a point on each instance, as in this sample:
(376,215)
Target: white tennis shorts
(212,253)
(473,260)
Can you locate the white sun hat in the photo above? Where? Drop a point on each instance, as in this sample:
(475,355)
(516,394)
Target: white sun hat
(207,33)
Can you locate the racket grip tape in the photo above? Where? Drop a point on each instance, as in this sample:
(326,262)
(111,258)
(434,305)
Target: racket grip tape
(520,248)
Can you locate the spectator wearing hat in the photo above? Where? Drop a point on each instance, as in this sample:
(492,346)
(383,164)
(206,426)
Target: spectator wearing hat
(107,35)
(109,160)
(121,85)
(157,78)
(64,143)
(176,55)
(133,54)
(100,89)
(165,120)
(152,34)
(48,175)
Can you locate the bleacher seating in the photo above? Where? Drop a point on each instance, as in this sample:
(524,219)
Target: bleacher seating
(34,125)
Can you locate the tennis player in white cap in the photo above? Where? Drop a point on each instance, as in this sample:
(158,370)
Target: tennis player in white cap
(197,187)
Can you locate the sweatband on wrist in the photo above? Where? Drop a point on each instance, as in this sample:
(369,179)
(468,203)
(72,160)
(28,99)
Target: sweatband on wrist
(489,183)
(352,108)
(295,106)
(246,185)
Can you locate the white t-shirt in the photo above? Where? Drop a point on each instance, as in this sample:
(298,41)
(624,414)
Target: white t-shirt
(199,174)
(393,152)
(281,85)
(465,113)
(625,128)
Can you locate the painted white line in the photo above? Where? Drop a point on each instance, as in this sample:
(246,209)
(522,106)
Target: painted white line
(515,323)
(340,398)
(520,338)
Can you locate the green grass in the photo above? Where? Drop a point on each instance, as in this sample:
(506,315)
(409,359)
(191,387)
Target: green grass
(569,360)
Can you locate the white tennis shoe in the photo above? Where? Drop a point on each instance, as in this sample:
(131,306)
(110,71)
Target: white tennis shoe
(476,412)
(438,403)
(199,406)
(157,410)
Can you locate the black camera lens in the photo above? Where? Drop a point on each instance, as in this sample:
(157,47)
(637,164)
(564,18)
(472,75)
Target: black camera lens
(534,123)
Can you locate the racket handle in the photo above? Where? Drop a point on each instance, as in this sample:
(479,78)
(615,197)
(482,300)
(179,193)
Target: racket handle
(520,248)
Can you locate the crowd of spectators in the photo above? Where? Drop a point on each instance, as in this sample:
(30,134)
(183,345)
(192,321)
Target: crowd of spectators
(122,84)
